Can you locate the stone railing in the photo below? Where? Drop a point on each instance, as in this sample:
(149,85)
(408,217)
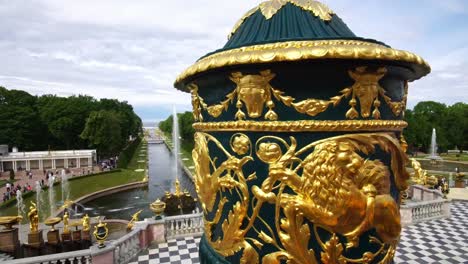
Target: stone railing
(184,225)
(421,211)
(77,257)
(127,246)
(421,193)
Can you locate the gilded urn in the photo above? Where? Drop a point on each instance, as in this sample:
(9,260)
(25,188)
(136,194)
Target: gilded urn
(299,146)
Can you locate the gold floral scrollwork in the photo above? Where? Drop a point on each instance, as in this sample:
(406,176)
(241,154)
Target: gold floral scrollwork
(212,180)
(197,103)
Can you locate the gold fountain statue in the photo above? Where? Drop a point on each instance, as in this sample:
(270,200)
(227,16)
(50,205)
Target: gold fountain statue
(420,176)
(66,217)
(33,216)
(134,219)
(85,222)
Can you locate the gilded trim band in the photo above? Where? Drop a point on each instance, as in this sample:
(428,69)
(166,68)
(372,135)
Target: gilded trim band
(303,125)
(302,50)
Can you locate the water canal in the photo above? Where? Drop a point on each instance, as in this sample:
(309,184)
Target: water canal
(161,178)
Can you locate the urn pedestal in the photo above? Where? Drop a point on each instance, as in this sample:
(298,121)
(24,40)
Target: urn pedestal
(9,241)
(299,147)
(35,244)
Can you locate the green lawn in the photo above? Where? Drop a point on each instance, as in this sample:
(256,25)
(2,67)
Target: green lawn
(85,185)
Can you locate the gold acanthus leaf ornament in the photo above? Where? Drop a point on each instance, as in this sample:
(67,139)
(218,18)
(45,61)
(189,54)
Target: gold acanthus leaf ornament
(255,92)
(271,7)
(331,186)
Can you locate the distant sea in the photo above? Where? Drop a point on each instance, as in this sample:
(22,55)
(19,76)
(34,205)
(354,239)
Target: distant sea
(150,124)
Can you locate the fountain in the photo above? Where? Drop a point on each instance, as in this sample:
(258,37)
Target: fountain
(65,186)
(177,202)
(175,142)
(38,188)
(51,195)
(433,150)
(20,205)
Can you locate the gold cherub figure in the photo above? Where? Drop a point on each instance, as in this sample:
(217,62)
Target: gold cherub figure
(85,222)
(66,217)
(33,216)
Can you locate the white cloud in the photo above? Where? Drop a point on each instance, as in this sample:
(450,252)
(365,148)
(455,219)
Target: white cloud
(134,50)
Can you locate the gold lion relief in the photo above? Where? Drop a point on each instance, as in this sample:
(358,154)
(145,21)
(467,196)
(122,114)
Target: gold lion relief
(331,186)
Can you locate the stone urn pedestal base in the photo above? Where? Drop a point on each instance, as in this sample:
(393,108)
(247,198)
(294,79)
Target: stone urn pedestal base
(35,244)
(460,184)
(9,241)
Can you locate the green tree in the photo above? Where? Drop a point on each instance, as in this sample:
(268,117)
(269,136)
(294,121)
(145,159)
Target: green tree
(456,126)
(103,131)
(65,118)
(20,124)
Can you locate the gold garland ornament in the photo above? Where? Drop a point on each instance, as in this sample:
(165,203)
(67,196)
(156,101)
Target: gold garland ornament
(254,91)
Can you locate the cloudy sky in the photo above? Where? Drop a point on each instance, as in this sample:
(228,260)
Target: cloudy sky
(133,50)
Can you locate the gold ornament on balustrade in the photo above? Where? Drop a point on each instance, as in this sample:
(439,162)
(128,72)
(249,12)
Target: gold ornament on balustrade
(333,187)
(255,92)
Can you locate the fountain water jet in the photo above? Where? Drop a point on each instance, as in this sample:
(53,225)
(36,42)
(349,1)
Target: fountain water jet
(38,188)
(175,142)
(51,195)
(65,186)
(433,149)
(20,205)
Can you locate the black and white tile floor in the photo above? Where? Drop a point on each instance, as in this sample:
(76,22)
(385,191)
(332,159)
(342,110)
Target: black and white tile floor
(439,241)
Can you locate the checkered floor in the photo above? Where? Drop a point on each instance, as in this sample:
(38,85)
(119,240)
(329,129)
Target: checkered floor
(439,241)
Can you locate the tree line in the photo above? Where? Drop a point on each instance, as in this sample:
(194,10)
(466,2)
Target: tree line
(450,122)
(186,130)
(34,123)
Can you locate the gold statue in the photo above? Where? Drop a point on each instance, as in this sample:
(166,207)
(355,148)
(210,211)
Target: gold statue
(177,188)
(134,219)
(33,216)
(66,217)
(420,176)
(85,222)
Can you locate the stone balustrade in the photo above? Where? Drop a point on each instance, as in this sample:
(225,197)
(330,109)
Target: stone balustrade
(77,257)
(421,211)
(128,246)
(184,225)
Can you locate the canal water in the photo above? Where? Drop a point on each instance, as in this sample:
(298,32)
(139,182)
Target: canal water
(161,178)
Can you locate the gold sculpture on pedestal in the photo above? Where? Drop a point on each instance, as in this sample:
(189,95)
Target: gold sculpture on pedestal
(177,188)
(33,216)
(134,219)
(85,222)
(66,217)
(420,176)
